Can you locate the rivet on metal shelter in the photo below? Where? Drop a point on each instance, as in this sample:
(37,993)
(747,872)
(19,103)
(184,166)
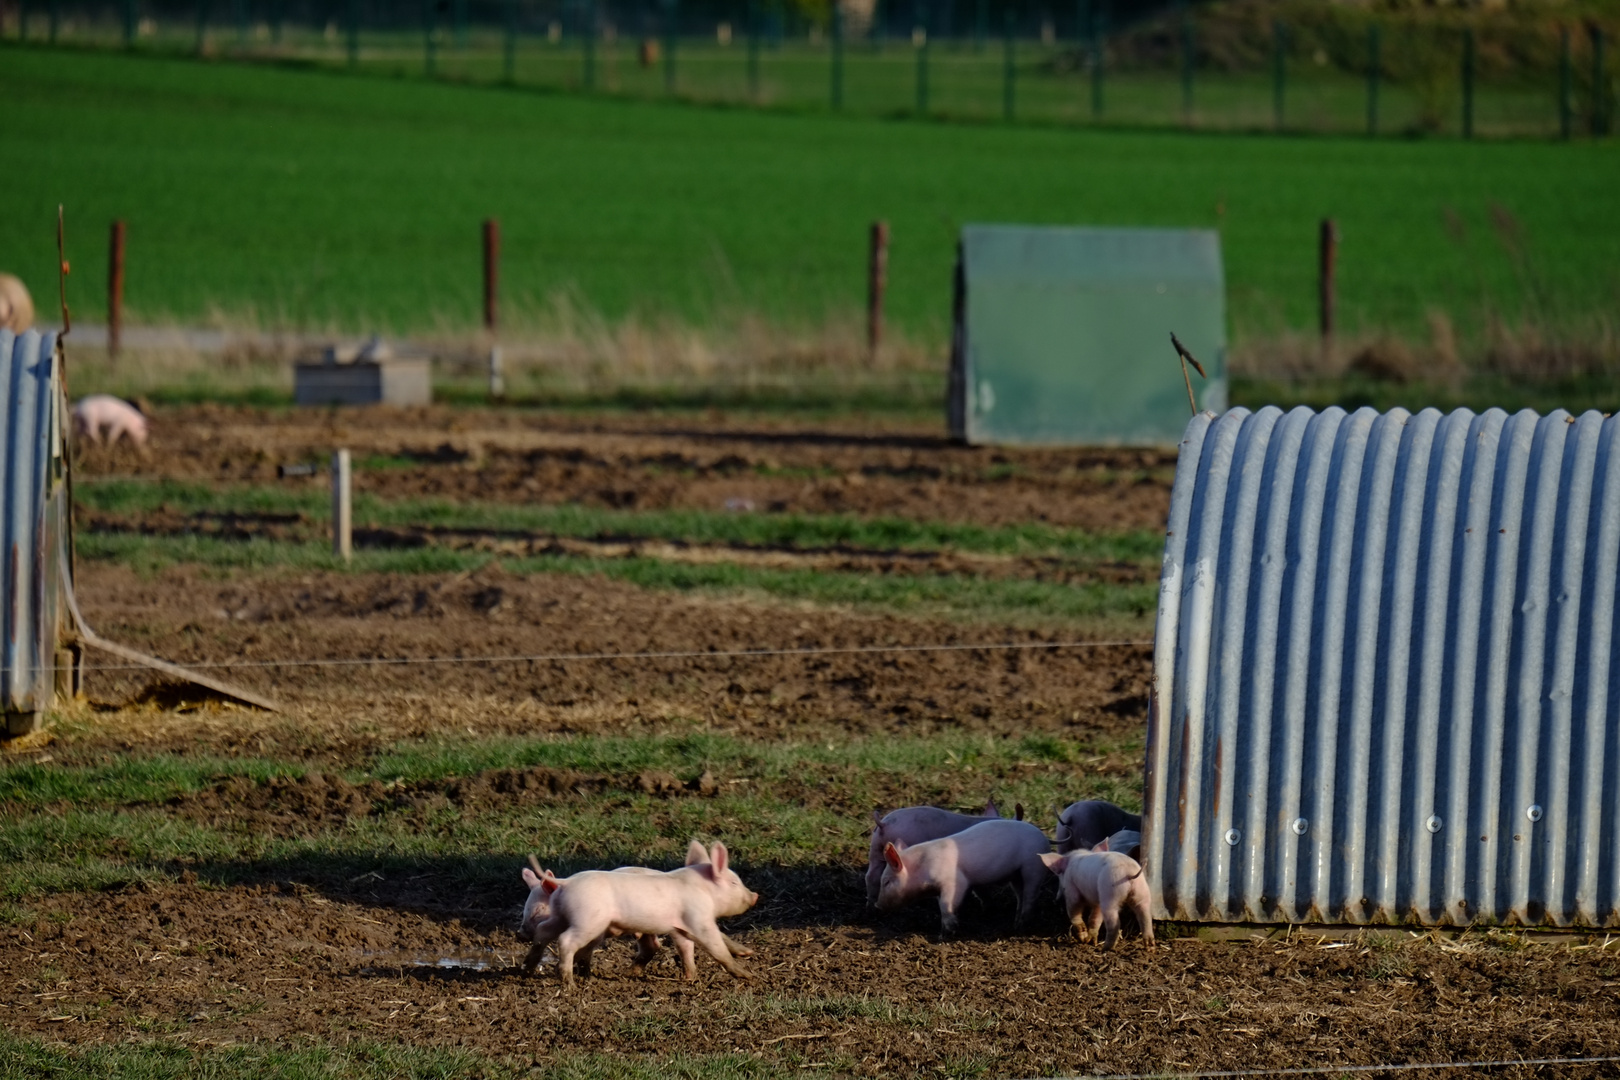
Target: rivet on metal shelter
(1060,334)
(37,638)
(1387,671)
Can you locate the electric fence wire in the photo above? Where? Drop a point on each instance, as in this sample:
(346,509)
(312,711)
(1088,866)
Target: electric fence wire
(1337,1070)
(671,654)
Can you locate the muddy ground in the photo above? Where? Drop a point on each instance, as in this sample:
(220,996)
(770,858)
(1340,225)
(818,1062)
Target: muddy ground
(683,461)
(228,954)
(275,961)
(354,699)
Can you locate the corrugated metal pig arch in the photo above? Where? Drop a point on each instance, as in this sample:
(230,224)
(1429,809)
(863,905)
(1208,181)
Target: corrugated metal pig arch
(36,653)
(44,633)
(1386,671)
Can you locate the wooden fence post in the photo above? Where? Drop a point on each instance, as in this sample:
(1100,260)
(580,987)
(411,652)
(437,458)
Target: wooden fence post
(342,518)
(877,279)
(115,290)
(1328,254)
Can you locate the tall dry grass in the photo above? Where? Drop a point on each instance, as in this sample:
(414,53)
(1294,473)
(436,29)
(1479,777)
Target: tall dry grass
(570,355)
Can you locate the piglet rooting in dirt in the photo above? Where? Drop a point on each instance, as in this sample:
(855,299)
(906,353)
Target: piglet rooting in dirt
(585,908)
(916,825)
(104,416)
(984,854)
(1096,886)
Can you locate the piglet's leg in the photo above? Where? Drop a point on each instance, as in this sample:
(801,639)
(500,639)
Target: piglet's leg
(544,934)
(647,948)
(951,896)
(569,943)
(735,949)
(583,959)
(1094,920)
(1031,879)
(688,954)
(714,943)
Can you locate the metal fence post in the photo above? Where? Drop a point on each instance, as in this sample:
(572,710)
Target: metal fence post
(342,515)
(131,23)
(1468,83)
(1099,29)
(1279,69)
(1186,63)
(919,40)
(54,20)
(275,22)
(202,24)
(1600,93)
(1009,71)
(1564,80)
(115,290)
(672,17)
(458,15)
(837,89)
(1374,70)
(430,20)
(587,39)
(981,24)
(352,17)
(240,8)
(753,51)
(509,44)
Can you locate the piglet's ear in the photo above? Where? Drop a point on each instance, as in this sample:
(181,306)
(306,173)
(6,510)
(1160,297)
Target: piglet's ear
(530,878)
(1054,862)
(550,883)
(892,854)
(695,855)
(718,858)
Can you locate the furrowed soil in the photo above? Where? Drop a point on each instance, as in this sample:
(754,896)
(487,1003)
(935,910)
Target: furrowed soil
(651,463)
(227,953)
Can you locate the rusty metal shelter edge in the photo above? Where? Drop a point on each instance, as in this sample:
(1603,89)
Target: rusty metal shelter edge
(1387,671)
(43,633)
(35,523)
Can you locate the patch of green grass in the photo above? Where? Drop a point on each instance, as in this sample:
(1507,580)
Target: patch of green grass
(376,188)
(793,531)
(861,765)
(951,595)
(127,779)
(29,1059)
(118,828)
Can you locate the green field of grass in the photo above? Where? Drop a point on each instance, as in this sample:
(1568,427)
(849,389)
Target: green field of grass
(316,199)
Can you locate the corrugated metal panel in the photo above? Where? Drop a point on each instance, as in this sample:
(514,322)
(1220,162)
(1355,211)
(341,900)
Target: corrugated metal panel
(33,415)
(1387,671)
(1064,334)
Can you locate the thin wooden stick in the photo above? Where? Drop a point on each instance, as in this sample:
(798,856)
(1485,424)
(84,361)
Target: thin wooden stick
(1186,358)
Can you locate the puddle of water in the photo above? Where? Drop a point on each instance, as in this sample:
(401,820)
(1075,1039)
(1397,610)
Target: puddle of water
(379,963)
